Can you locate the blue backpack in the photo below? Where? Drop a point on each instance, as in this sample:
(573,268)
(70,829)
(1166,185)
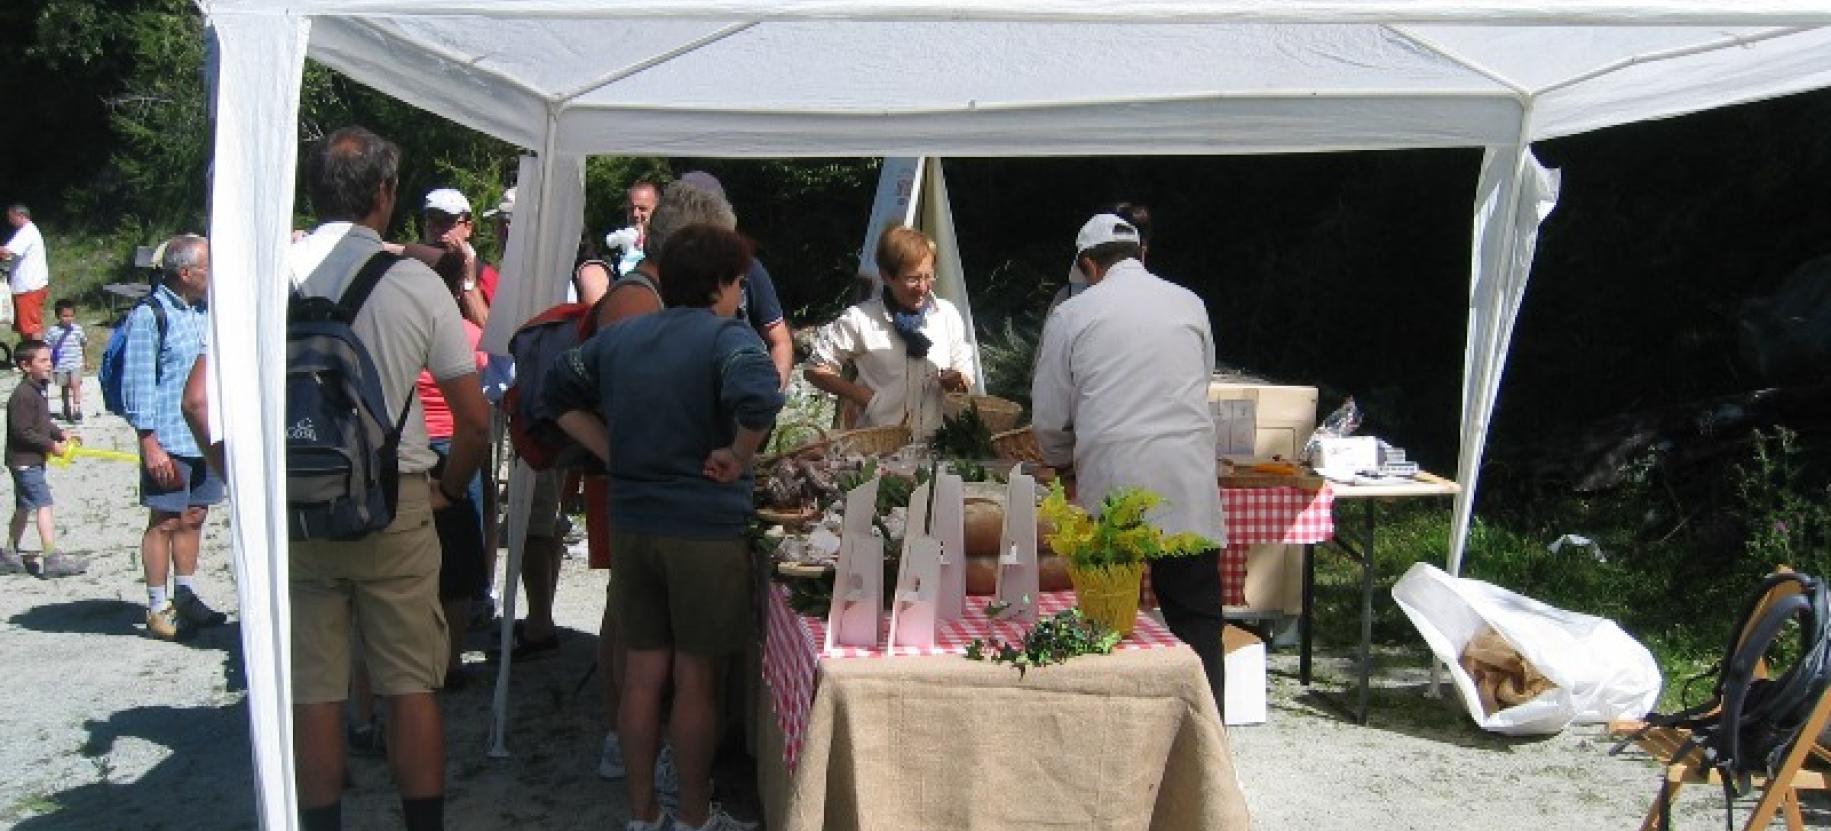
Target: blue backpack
(342,449)
(114,356)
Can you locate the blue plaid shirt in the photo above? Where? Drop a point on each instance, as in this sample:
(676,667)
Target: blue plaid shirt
(153,398)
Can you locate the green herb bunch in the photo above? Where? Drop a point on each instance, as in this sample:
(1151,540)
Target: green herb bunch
(1052,640)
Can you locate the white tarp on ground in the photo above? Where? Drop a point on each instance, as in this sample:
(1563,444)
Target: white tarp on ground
(760,78)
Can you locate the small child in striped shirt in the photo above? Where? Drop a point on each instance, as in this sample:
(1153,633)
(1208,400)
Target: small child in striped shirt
(68,344)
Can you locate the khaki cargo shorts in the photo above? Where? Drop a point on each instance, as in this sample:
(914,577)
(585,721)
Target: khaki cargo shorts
(691,596)
(384,589)
(543,509)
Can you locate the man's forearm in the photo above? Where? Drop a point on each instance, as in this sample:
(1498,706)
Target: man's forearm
(746,442)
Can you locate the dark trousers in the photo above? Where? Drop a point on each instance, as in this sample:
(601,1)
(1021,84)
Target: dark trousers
(1189,592)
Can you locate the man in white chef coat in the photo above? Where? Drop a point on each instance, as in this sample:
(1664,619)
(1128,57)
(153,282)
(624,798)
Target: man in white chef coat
(1121,397)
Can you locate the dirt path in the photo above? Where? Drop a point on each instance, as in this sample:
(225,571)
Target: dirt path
(106,728)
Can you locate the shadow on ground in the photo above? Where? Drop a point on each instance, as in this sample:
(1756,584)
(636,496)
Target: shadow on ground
(206,743)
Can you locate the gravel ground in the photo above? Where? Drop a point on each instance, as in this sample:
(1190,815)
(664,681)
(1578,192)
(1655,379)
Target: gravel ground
(107,728)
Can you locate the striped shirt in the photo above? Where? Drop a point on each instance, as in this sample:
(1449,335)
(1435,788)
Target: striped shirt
(153,397)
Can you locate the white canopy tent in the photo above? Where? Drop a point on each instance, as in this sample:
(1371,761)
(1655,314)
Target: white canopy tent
(783,78)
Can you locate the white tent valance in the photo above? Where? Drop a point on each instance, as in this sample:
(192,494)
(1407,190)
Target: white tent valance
(783,78)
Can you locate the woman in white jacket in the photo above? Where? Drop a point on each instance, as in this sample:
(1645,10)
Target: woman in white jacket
(907,345)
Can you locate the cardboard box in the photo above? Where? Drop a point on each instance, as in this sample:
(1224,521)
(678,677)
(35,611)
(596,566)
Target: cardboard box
(1285,416)
(1245,692)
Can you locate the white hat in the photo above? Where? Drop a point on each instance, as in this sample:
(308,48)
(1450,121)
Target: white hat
(447,200)
(506,207)
(1102,229)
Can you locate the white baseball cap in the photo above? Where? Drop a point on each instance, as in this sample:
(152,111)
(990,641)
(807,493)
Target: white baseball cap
(447,200)
(505,207)
(1102,229)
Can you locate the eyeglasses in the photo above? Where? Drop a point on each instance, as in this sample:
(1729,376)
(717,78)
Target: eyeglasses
(915,279)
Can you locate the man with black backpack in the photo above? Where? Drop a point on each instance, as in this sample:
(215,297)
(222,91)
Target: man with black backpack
(162,337)
(382,585)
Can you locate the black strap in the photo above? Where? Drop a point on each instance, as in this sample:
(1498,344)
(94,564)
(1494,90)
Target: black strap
(365,281)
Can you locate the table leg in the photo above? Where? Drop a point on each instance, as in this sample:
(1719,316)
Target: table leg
(1306,616)
(1367,545)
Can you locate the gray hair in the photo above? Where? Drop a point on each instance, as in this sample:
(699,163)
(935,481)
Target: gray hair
(17,208)
(681,205)
(346,169)
(182,252)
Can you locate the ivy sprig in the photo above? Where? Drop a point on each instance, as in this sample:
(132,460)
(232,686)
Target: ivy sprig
(1053,640)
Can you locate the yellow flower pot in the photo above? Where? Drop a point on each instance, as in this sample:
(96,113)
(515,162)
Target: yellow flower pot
(1109,595)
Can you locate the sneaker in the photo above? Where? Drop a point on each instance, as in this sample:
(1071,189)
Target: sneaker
(665,822)
(11,563)
(162,623)
(367,739)
(62,565)
(667,779)
(610,761)
(194,611)
(719,821)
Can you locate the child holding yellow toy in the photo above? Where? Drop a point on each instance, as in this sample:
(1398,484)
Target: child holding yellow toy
(29,436)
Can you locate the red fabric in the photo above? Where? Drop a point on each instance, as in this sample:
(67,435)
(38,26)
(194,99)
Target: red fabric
(486,283)
(1256,516)
(29,312)
(597,521)
(439,424)
(792,652)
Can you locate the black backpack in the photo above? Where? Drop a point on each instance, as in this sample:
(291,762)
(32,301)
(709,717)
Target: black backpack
(342,451)
(1749,723)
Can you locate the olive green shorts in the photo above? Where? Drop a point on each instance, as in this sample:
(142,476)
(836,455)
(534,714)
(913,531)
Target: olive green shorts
(690,596)
(385,589)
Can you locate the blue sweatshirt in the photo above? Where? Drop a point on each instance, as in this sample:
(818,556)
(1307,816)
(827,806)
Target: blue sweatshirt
(672,387)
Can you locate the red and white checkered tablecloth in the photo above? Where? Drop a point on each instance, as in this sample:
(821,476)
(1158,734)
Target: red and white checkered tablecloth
(791,653)
(1256,516)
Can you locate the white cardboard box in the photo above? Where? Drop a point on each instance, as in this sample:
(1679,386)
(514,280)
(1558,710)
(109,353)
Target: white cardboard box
(1245,661)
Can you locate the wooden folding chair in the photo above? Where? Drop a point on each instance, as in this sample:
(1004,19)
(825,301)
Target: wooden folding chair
(1782,791)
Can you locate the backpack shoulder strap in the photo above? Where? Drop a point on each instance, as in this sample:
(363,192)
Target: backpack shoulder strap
(371,273)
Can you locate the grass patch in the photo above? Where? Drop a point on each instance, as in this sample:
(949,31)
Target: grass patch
(32,805)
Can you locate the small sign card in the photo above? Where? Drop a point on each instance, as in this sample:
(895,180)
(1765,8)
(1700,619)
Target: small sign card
(858,579)
(1235,427)
(947,524)
(918,578)
(1017,574)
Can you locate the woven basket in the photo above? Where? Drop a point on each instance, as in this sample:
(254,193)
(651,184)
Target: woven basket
(868,441)
(997,414)
(1018,446)
(1109,595)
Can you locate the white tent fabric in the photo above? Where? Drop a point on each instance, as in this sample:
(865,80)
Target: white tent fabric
(761,78)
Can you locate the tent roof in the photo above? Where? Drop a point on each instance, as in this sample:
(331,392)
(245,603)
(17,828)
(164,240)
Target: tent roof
(1057,77)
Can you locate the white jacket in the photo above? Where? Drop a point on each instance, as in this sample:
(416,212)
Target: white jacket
(1121,388)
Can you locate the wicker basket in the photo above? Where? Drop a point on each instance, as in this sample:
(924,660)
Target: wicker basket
(868,441)
(1109,595)
(1018,446)
(997,414)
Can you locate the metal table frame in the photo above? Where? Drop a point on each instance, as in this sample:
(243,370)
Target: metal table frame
(1355,540)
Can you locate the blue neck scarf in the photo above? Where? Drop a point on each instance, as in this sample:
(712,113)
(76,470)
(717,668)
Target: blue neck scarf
(908,324)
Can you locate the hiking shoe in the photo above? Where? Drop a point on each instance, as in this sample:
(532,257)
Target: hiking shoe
(367,739)
(11,563)
(162,623)
(665,822)
(667,779)
(610,761)
(718,821)
(192,610)
(62,565)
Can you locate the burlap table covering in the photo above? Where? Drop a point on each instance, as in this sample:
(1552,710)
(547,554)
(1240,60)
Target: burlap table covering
(1124,741)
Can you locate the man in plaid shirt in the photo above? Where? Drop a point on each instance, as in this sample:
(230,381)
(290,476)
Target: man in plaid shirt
(176,486)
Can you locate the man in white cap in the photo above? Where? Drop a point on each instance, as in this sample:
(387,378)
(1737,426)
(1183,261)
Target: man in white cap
(446,227)
(1120,399)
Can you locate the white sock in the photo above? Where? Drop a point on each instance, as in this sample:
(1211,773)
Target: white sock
(155,597)
(187,584)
